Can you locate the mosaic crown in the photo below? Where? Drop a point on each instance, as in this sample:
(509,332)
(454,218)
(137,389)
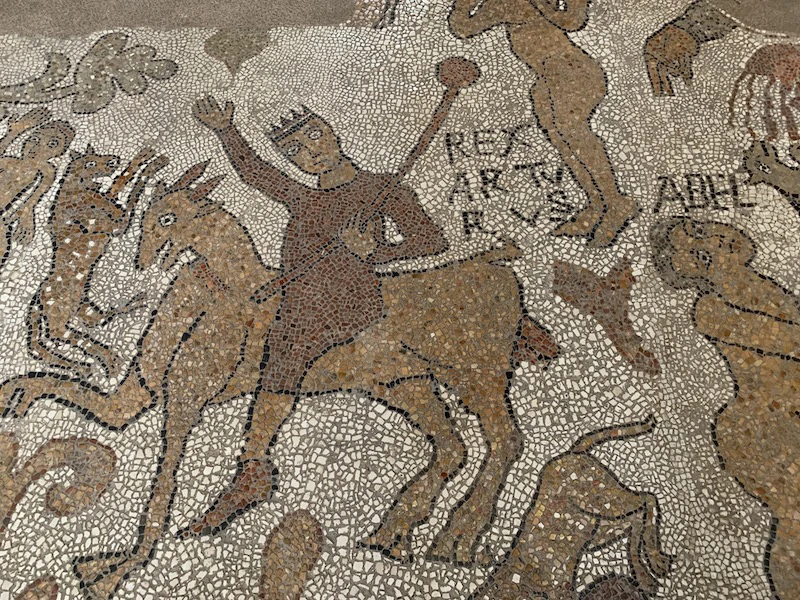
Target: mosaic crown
(291,124)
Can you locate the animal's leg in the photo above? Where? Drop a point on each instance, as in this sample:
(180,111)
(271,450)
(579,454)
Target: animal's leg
(596,491)
(791,124)
(100,576)
(416,398)
(748,107)
(645,579)
(114,410)
(769,112)
(485,396)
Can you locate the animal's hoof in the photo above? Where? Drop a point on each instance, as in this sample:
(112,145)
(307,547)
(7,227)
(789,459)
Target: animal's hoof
(450,549)
(660,563)
(254,483)
(100,577)
(394,546)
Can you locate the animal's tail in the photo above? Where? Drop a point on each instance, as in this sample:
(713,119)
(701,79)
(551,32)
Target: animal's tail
(592,439)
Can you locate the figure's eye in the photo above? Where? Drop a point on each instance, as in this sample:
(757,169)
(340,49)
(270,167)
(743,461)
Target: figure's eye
(291,149)
(53,142)
(314,133)
(112,164)
(167,219)
(90,164)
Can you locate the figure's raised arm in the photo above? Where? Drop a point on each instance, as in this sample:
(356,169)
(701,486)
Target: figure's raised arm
(251,168)
(572,17)
(472,17)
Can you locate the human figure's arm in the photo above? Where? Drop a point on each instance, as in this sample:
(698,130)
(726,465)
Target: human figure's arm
(421,235)
(251,168)
(572,18)
(19,125)
(472,17)
(729,324)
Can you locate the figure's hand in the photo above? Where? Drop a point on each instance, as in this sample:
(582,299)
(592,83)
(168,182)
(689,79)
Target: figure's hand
(208,112)
(361,243)
(31,119)
(669,53)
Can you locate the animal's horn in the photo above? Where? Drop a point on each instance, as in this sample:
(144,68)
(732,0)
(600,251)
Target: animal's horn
(205,188)
(191,175)
(159,191)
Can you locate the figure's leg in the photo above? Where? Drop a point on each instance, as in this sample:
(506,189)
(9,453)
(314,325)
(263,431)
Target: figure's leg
(484,394)
(607,300)
(584,222)
(113,410)
(287,355)
(571,114)
(425,409)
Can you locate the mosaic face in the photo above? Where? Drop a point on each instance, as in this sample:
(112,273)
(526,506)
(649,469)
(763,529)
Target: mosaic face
(457,300)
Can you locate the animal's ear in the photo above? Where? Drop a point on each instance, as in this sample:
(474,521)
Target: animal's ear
(159,191)
(90,149)
(191,175)
(73,155)
(202,191)
(207,207)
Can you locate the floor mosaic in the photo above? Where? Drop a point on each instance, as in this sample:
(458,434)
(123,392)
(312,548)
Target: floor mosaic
(454,299)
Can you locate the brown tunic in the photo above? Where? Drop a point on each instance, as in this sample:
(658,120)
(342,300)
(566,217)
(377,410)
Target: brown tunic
(340,295)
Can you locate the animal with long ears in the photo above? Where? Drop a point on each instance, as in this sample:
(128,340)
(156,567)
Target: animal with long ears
(85,218)
(215,281)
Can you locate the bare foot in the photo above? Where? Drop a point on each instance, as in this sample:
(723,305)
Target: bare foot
(617,217)
(254,484)
(583,222)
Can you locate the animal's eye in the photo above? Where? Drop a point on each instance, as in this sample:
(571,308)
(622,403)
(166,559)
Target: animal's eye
(291,149)
(53,142)
(112,164)
(167,219)
(314,134)
(704,257)
(90,164)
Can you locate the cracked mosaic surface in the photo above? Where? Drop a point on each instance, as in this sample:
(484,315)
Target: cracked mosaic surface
(453,300)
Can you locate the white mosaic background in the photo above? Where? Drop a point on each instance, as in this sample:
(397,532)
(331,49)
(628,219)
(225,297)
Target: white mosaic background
(345,458)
